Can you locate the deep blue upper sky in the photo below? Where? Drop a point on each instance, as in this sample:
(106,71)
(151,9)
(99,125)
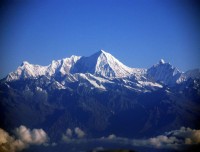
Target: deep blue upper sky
(137,32)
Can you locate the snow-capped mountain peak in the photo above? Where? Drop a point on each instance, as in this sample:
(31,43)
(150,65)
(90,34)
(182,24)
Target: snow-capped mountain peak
(102,64)
(27,70)
(164,72)
(24,63)
(67,63)
(109,66)
(102,51)
(161,61)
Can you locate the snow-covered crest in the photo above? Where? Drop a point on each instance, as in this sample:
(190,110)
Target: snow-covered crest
(109,66)
(164,72)
(27,70)
(103,64)
(117,68)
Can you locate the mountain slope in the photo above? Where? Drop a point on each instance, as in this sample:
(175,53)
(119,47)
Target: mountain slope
(101,96)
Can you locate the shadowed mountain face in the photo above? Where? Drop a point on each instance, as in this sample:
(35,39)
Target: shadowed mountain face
(101,96)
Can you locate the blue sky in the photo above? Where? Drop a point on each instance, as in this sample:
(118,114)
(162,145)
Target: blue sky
(137,32)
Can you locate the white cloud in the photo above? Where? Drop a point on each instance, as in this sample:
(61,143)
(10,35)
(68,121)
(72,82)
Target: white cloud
(190,136)
(79,132)
(4,137)
(9,143)
(35,136)
(160,141)
(24,138)
(173,139)
(112,136)
(65,138)
(69,134)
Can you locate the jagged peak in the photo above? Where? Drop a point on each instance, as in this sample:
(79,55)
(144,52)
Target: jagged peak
(108,65)
(161,61)
(103,64)
(107,55)
(75,57)
(100,63)
(165,65)
(164,72)
(25,63)
(55,61)
(99,53)
(102,51)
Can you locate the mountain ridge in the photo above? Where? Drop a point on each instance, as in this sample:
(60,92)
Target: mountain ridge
(103,64)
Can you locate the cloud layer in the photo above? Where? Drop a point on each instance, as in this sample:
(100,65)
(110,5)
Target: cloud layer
(190,136)
(175,139)
(24,137)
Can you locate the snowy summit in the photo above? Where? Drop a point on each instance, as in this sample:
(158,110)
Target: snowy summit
(161,61)
(102,65)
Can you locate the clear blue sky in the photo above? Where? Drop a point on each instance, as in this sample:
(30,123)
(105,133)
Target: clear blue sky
(137,32)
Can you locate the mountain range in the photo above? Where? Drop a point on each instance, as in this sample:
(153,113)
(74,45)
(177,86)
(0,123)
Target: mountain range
(100,95)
